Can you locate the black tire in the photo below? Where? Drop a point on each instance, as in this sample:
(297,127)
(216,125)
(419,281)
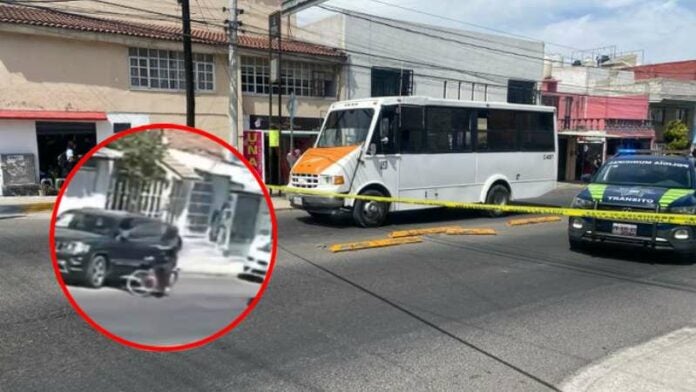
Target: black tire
(498,195)
(96,271)
(577,245)
(367,213)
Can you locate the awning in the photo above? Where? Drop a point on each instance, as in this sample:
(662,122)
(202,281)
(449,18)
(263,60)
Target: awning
(51,115)
(583,133)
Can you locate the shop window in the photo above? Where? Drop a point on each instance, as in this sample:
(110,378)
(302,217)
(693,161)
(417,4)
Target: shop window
(391,82)
(164,70)
(521,91)
(657,115)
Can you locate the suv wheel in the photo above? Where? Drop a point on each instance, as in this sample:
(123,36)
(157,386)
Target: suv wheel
(95,273)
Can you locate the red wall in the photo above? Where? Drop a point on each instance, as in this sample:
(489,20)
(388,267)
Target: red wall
(625,107)
(680,70)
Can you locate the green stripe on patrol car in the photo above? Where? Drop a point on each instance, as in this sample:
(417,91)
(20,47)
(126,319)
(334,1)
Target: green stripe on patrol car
(597,191)
(672,195)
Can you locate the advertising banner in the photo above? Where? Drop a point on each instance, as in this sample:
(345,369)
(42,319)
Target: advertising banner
(253,151)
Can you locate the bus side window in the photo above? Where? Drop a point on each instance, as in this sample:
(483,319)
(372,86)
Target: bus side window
(411,130)
(384,135)
(482,131)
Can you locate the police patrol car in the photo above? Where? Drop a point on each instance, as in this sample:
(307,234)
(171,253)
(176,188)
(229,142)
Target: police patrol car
(641,182)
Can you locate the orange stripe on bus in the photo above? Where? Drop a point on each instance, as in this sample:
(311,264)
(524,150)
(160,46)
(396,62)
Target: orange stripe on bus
(316,160)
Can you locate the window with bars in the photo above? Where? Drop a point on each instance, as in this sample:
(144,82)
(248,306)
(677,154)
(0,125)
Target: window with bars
(302,78)
(164,70)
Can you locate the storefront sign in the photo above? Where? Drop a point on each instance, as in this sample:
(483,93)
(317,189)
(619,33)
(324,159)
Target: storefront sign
(18,169)
(253,151)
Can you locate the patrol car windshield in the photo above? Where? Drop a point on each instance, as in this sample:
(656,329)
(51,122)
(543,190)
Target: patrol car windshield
(657,173)
(346,128)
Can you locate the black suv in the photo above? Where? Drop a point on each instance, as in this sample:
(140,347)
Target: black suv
(94,245)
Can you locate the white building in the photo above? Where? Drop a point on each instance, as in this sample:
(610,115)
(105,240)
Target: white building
(390,57)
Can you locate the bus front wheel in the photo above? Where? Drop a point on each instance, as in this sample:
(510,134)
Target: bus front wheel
(370,213)
(498,195)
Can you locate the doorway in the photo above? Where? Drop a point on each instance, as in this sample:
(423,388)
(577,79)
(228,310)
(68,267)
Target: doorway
(52,139)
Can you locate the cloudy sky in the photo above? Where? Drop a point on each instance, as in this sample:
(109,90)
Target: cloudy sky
(664,29)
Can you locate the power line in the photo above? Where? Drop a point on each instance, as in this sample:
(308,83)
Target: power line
(471,24)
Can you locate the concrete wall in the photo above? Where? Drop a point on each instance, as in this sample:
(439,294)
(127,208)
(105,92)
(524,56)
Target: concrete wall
(255,11)
(45,72)
(433,60)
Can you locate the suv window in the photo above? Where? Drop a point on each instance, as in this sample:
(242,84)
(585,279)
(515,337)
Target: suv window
(146,229)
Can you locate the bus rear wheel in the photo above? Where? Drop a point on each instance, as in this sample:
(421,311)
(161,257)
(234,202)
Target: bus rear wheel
(498,195)
(370,213)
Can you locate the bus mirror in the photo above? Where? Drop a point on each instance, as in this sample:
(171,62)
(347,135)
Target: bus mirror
(373,149)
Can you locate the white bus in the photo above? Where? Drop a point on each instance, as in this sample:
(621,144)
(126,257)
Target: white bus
(425,148)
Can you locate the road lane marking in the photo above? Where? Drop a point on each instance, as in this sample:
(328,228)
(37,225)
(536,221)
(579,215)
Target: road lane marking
(450,230)
(369,244)
(531,221)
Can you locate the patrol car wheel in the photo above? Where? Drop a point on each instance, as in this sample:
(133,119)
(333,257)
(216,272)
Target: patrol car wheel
(369,213)
(577,245)
(498,195)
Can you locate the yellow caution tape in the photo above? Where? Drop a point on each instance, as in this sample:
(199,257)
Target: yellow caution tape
(374,244)
(531,221)
(631,216)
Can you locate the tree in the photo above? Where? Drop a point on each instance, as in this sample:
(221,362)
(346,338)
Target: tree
(676,135)
(139,168)
(142,153)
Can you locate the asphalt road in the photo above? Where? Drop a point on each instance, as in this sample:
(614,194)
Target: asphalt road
(197,307)
(516,311)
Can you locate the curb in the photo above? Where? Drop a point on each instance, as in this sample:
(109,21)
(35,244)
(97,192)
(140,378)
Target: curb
(26,208)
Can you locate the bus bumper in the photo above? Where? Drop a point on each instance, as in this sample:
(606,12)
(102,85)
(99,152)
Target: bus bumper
(318,204)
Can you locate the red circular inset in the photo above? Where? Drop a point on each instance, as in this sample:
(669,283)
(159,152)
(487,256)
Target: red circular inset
(178,347)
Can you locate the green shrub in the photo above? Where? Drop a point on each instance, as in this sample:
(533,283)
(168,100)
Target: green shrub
(676,135)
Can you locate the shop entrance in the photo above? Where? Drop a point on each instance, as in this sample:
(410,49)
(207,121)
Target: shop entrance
(52,139)
(589,158)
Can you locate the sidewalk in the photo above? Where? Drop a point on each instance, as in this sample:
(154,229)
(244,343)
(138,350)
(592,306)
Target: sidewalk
(18,205)
(201,257)
(664,364)
(280,203)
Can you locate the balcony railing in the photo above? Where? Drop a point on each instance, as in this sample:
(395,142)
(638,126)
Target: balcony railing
(603,124)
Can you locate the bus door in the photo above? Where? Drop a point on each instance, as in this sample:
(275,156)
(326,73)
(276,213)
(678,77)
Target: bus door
(381,162)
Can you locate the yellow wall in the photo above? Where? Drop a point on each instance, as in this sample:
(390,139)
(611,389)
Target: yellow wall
(50,73)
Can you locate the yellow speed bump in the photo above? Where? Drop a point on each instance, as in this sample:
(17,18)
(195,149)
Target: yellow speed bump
(381,243)
(451,230)
(531,221)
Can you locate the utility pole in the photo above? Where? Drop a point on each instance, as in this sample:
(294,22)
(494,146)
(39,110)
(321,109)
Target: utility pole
(188,65)
(232,30)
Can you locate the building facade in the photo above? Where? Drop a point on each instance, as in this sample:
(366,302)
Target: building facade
(390,58)
(69,77)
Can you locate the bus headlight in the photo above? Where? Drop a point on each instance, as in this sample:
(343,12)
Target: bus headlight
(332,180)
(683,210)
(582,203)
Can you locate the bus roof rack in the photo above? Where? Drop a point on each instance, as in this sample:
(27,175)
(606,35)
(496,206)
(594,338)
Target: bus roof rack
(624,151)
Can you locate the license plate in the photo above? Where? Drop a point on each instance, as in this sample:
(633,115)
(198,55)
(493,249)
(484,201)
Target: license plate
(297,200)
(624,229)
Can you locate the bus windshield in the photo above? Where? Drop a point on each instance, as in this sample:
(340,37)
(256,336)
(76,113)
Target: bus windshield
(346,128)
